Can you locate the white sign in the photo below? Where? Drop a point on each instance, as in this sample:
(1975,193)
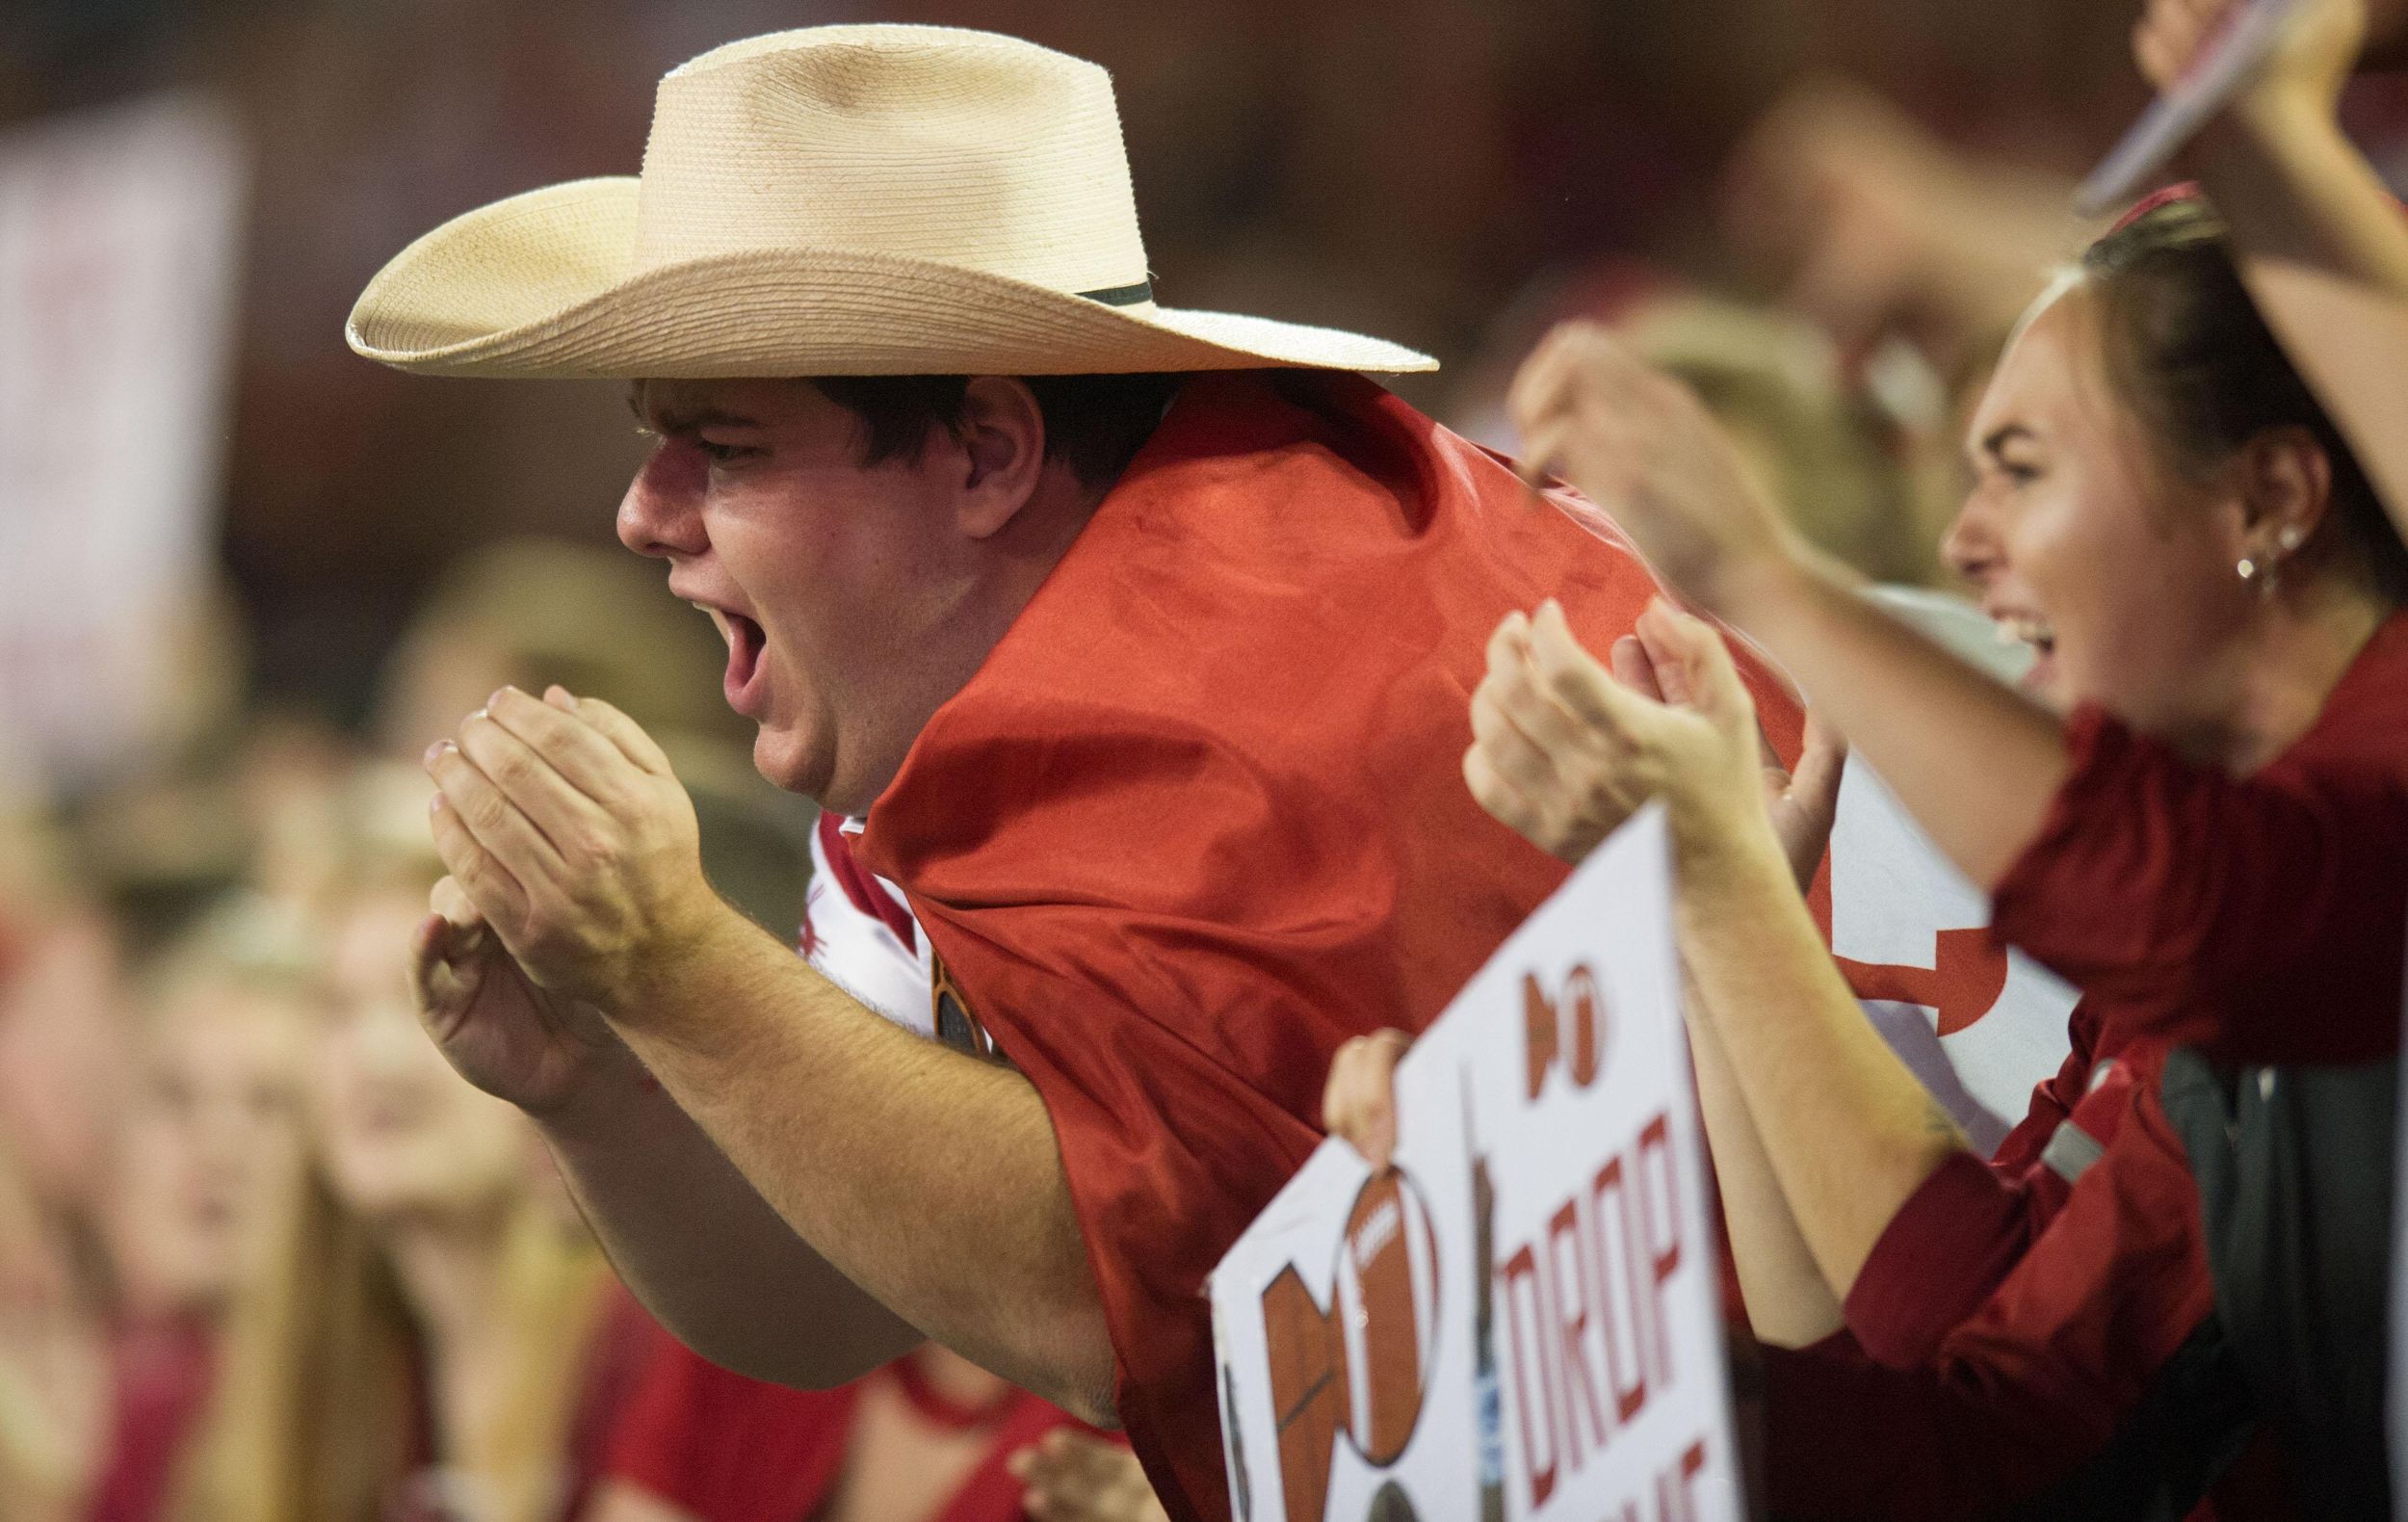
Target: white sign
(117,237)
(1979,1024)
(1522,1319)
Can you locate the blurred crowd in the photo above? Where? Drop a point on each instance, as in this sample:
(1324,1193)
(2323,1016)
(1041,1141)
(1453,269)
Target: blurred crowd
(263,1254)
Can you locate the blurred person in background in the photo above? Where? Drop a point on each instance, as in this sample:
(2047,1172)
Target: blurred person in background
(428,1341)
(931,1437)
(206,1152)
(2195,812)
(1838,464)
(1876,228)
(64,1043)
(288,789)
(529,612)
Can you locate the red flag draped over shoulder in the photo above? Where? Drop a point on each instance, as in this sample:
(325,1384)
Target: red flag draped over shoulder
(1200,818)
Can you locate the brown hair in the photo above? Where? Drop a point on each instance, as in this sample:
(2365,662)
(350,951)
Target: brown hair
(1093,424)
(2189,355)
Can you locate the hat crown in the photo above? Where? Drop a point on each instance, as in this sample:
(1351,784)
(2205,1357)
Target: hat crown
(928,142)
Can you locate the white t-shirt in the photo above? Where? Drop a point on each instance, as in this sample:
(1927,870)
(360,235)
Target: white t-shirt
(859,933)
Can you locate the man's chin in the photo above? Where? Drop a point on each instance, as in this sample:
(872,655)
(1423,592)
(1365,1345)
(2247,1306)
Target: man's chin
(787,763)
(783,761)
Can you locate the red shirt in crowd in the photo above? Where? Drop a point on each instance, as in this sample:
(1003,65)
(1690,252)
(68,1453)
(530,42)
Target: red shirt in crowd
(722,1448)
(161,1374)
(1201,817)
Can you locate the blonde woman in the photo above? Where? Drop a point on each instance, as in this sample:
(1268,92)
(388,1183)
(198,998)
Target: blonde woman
(423,1347)
(206,1148)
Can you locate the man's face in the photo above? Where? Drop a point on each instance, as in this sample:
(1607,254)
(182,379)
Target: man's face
(834,584)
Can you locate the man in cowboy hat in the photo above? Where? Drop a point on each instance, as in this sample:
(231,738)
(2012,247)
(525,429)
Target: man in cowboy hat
(1139,640)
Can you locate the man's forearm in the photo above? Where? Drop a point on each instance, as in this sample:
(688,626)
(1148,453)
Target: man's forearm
(926,1176)
(704,1252)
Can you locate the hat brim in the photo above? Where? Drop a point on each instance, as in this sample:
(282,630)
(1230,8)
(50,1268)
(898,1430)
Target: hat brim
(543,285)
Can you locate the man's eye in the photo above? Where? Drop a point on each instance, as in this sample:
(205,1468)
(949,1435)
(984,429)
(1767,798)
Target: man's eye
(2018,472)
(720,454)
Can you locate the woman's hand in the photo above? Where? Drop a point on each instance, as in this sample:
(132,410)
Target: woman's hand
(2300,81)
(1640,446)
(1563,751)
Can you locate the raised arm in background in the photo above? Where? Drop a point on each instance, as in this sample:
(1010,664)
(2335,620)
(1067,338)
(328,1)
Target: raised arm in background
(2323,244)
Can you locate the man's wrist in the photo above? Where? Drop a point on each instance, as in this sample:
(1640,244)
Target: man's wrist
(687,955)
(613,1088)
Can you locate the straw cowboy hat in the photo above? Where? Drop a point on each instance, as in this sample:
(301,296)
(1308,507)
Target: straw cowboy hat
(837,200)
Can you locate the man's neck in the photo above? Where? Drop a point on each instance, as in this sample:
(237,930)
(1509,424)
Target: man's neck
(1024,554)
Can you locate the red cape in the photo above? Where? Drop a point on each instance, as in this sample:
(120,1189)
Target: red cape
(1201,817)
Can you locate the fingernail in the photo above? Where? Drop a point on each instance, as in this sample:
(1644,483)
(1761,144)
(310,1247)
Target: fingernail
(433,750)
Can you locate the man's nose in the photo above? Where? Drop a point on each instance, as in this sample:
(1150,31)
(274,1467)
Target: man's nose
(662,512)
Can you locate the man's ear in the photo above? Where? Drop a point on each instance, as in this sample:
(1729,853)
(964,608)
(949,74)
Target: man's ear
(1002,439)
(2286,482)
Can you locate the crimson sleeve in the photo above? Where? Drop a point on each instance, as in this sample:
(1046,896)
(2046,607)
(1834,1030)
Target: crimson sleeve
(1954,1240)
(2034,1384)
(2223,911)
(1958,1237)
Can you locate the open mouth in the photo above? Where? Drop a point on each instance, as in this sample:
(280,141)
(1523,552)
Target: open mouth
(744,643)
(2034,635)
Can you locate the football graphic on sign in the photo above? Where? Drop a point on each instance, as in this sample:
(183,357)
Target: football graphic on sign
(1362,1366)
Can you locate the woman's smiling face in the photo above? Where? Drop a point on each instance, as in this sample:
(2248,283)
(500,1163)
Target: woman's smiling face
(2084,544)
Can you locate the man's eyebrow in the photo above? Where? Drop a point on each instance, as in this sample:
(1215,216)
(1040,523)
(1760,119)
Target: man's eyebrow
(675,420)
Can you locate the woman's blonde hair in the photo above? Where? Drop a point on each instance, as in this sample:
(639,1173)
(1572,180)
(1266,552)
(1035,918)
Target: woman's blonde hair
(320,1409)
(321,1406)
